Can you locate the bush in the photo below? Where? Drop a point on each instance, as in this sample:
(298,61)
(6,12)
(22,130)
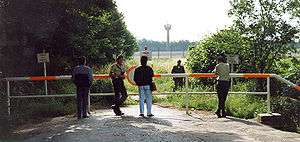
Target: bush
(289,109)
(202,57)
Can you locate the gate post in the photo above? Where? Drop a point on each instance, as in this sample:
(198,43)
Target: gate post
(186,94)
(268,95)
(8,98)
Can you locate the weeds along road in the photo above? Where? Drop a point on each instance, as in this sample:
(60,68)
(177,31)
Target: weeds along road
(168,125)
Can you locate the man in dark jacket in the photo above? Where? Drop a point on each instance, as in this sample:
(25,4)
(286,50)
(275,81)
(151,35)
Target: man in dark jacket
(143,78)
(178,81)
(82,76)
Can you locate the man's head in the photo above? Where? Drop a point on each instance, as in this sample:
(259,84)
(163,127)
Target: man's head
(144,60)
(145,48)
(120,59)
(178,62)
(82,60)
(221,59)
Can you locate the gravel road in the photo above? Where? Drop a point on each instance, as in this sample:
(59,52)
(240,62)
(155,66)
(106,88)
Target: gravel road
(168,125)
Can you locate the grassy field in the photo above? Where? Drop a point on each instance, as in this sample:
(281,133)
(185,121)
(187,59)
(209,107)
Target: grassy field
(238,105)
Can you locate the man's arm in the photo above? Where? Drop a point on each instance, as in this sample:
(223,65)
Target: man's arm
(90,74)
(216,70)
(73,75)
(173,69)
(135,75)
(111,72)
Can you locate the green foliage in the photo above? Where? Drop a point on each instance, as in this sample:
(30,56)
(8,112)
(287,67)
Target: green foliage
(202,58)
(271,35)
(289,109)
(289,68)
(244,106)
(66,29)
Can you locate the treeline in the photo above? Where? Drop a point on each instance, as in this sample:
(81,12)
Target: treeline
(65,29)
(181,45)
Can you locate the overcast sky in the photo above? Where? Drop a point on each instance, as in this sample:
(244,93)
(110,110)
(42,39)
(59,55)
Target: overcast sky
(190,19)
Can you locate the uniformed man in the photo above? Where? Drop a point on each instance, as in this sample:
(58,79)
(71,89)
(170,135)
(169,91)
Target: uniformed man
(117,74)
(82,76)
(178,81)
(223,84)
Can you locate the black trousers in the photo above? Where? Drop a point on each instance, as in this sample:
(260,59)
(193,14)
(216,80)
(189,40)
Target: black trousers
(179,82)
(120,92)
(82,101)
(222,90)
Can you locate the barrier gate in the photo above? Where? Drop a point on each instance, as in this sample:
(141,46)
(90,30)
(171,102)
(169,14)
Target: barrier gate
(185,75)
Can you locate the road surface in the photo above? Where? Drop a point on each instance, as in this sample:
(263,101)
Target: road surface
(168,125)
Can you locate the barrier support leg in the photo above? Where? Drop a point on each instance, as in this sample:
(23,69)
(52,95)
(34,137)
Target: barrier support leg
(186,95)
(8,98)
(269,95)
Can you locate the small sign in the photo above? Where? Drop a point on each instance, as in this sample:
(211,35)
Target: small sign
(233,59)
(43,57)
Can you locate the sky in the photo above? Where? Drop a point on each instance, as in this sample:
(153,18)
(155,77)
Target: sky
(190,19)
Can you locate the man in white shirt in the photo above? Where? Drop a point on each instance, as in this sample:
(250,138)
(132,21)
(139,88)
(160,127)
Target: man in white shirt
(222,70)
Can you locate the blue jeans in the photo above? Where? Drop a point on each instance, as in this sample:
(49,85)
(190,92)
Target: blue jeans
(145,92)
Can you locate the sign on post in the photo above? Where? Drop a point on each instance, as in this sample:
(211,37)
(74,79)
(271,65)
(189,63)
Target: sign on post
(233,59)
(43,57)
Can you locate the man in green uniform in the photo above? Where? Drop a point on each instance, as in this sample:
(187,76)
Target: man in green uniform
(117,74)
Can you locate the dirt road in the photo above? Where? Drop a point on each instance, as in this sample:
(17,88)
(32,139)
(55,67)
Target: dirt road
(168,125)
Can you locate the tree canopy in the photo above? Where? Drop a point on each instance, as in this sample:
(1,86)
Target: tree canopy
(269,25)
(64,28)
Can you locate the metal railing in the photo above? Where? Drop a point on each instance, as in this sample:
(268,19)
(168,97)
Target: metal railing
(185,75)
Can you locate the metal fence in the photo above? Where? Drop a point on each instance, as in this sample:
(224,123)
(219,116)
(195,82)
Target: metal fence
(185,75)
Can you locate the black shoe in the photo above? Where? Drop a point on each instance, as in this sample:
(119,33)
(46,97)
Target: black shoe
(223,114)
(150,115)
(120,114)
(142,115)
(218,114)
(86,117)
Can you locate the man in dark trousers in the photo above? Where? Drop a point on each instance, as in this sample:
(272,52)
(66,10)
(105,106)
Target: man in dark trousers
(82,76)
(178,81)
(117,74)
(222,70)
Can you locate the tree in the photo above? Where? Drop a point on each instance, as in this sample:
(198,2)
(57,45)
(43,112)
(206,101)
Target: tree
(267,25)
(202,57)
(65,29)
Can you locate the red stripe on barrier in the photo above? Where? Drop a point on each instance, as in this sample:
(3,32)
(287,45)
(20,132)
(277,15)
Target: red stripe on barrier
(206,75)
(297,88)
(101,76)
(37,78)
(157,75)
(128,72)
(256,75)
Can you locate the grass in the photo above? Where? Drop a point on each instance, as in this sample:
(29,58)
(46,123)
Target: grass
(238,105)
